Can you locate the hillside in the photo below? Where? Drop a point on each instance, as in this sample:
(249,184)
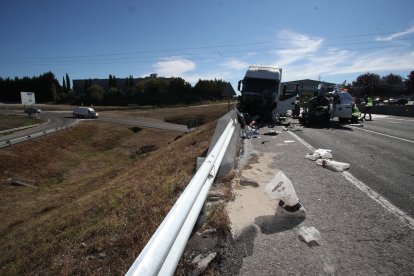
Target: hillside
(101,192)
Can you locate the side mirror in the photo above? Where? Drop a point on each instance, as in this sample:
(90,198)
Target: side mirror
(238,85)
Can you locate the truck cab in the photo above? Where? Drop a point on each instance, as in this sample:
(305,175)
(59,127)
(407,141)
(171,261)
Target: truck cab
(262,94)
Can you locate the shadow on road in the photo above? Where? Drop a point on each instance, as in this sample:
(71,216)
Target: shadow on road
(272,224)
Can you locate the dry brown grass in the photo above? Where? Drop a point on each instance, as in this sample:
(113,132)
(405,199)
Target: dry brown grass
(95,207)
(204,113)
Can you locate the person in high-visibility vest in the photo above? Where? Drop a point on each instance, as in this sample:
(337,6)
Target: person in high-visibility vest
(368,106)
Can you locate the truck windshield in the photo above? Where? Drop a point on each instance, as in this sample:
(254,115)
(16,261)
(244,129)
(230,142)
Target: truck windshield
(261,86)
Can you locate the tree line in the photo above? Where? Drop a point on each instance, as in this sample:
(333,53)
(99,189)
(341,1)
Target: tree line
(162,91)
(150,91)
(387,86)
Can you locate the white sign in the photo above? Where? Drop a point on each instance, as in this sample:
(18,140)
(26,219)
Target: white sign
(28,97)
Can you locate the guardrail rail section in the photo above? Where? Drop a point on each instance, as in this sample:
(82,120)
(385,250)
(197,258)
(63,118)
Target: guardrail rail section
(163,251)
(36,135)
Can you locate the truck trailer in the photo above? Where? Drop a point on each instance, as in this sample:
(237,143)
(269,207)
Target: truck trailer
(262,94)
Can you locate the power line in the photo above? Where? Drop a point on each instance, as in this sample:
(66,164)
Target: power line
(270,52)
(197,48)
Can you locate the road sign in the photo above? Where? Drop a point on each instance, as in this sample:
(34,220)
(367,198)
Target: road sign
(28,97)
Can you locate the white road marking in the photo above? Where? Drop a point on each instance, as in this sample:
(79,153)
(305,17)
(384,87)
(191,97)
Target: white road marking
(302,141)
(404,217)
(383,134)
(398,119)
(393,122)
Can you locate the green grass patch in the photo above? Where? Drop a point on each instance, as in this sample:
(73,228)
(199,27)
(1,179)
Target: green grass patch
(15,121)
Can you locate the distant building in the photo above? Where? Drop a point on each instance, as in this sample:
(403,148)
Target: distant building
(307,85)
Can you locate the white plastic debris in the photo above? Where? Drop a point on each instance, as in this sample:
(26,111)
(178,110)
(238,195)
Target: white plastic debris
(319,153)
(249,133)
(309,234)
(333,165)
(281,188)
(289,141)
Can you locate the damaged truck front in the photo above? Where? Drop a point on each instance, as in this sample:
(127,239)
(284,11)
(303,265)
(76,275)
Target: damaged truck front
(262,95)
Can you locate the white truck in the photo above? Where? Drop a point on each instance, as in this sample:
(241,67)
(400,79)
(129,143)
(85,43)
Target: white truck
(85,112)
(262,95)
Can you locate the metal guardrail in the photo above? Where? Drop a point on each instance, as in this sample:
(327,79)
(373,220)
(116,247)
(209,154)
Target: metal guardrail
(33,136)
(163,251)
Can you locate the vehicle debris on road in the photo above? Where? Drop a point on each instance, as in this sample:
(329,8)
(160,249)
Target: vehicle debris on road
(310,235)
(319,153)
(322,158)
(332,165)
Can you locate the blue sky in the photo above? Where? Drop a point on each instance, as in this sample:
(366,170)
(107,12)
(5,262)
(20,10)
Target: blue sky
(327,40)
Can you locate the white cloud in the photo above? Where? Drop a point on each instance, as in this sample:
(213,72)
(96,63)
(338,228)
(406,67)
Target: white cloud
(235,64)
(395,35)
(298,46)
(311,58)
(173,66)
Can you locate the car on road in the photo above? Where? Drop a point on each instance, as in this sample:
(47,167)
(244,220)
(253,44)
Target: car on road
(376,101)
(392,101)
(32,110)
(402,101)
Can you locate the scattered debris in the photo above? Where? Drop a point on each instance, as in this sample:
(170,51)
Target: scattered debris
(357,125)
(272,133)
(333,165)
(248,133)
(203,262)
(281,190)
(265,142)
(322,158)
(20,181)
(102,255)
(319,153)
(208,231)
(310,235)
(289,141)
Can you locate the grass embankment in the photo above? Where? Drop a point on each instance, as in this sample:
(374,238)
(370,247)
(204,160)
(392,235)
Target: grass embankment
(99,197)
(179,115)
(15,121)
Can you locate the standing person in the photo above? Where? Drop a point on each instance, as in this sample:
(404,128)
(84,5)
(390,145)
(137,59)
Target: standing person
(368,106)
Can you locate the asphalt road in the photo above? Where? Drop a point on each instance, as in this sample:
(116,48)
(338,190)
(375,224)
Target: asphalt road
(358,236)
(381,154)
(54,119)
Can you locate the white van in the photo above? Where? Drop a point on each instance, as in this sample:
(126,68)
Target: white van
(341,105)
(85,112)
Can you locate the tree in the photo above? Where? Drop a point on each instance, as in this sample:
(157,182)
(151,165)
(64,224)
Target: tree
(67,82)
(367,80)
(110,81)
(64,85)
(409,82)
(94,94)
(392,79)
(366,84)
